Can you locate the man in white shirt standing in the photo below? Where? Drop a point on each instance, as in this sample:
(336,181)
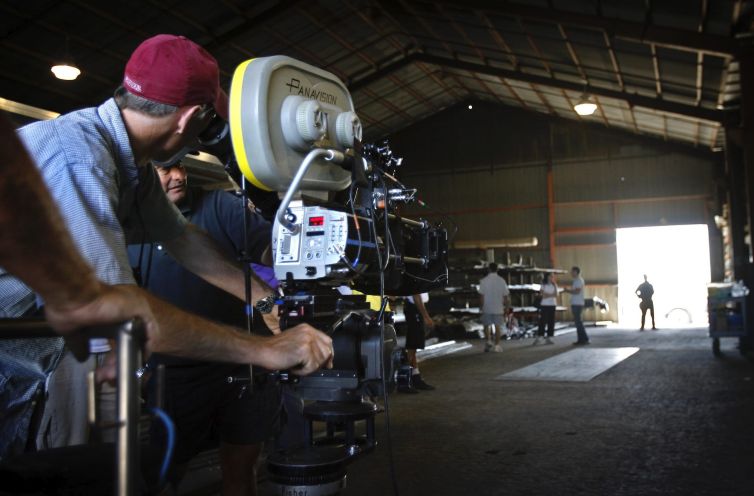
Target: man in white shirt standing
(577,305)
(493,293)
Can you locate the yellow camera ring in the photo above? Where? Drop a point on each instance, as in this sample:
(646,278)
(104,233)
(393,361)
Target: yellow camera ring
(240,120)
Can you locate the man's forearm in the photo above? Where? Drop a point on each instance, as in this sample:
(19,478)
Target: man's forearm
(190,336)
(35,245)
(199,253)
(301,349)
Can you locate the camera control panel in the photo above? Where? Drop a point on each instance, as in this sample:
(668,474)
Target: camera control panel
(316,244)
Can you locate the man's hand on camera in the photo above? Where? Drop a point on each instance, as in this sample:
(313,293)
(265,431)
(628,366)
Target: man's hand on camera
(107,305)
(301,349)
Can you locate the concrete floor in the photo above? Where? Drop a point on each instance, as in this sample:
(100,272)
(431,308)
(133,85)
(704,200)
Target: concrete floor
(669,420)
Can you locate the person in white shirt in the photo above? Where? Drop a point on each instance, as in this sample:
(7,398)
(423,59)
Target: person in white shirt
(417,318)
(549,293)
(577,305)
(493,295)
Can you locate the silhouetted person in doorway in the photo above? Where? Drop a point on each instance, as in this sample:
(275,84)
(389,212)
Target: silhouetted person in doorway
(645,292)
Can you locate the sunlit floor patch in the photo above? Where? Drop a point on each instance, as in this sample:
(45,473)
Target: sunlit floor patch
(441,349)
(580,365)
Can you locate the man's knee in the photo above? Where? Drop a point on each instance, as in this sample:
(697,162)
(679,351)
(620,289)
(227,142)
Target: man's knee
(239,459)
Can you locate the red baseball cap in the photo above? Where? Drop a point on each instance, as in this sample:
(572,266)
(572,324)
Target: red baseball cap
(176,71)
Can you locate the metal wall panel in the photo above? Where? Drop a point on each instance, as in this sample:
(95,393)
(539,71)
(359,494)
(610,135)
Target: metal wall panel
(653,174)
(502,204)
(598,264)
(662,213)
(577,216)
(487,169)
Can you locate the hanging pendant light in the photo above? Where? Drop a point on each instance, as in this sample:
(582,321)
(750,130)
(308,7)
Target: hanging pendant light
(585,105)
(66,69)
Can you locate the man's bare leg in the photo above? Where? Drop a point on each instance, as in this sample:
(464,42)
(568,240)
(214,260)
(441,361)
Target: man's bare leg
(417,380)
(487,338)
(239,468)
(411,354)
(498,334)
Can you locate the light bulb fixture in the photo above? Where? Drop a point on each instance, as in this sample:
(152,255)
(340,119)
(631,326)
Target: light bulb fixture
(471,107)
(585,106)
(66,69)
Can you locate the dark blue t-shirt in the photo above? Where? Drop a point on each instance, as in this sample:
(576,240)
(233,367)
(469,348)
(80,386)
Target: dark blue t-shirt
(220,214)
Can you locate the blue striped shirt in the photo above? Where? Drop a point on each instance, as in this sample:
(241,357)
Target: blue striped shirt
(86,161)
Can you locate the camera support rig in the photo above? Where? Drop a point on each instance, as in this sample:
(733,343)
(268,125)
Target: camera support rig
(293,128)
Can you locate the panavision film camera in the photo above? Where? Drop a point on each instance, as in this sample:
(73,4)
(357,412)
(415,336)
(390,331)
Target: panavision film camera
(337,228)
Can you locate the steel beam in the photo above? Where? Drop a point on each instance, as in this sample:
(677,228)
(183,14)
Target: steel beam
(743,137)
(251,22)
(583,230)
(738,216)
(678,39)
(629,201)
(551,216)
(746,272)
(634,100)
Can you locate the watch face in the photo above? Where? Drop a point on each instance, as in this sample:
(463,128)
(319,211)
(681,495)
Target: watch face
(265,305)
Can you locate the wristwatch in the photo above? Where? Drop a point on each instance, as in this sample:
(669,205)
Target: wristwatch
(265,305)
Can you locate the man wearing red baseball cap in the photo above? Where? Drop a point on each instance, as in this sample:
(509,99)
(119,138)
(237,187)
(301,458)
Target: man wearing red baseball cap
(176,71)
(95,163)
(172,78)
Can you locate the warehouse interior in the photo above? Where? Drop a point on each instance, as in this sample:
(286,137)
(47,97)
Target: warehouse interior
(480,101)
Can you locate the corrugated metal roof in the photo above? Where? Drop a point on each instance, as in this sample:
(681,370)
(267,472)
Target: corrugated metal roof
(665,68)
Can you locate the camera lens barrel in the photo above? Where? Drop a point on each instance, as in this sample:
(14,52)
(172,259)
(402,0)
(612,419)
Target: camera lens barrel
(311,471)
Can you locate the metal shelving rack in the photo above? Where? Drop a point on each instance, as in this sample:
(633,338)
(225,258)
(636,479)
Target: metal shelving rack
(523,281)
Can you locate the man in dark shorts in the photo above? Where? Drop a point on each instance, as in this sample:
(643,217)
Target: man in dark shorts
(203,405)
(645,292)
(416,318)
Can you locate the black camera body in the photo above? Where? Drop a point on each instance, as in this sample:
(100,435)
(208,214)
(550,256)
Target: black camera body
(293,128)
(356,241)
(362,353)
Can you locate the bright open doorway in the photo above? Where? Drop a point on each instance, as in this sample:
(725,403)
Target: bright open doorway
(676,260)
